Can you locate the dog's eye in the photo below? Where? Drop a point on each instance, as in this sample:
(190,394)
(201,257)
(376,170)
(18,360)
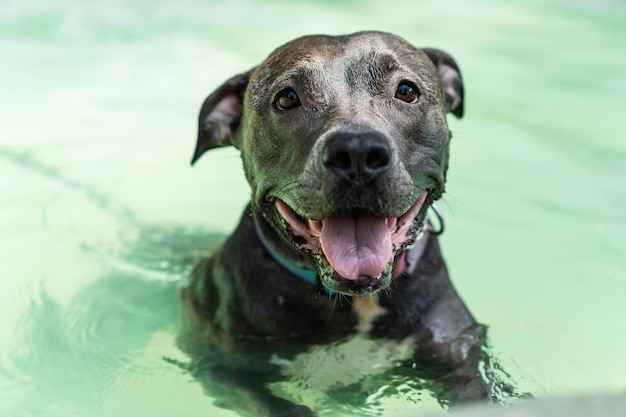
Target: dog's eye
(286,99)
(407,92)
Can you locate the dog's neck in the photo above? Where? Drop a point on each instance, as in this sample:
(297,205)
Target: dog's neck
(309,275)
(405,260)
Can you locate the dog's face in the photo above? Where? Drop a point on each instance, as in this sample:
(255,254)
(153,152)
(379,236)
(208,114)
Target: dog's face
(345,144)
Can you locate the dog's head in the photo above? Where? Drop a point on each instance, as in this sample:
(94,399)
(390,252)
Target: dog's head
(345,144)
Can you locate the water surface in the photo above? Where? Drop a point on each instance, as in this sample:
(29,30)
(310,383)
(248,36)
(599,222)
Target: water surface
(101,216)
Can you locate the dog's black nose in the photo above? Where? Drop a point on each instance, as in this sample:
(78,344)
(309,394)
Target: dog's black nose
(357,157)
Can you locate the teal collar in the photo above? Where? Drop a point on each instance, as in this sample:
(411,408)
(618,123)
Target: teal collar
(308,275)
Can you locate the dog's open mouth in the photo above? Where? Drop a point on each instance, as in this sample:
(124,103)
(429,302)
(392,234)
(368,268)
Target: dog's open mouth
(355,245)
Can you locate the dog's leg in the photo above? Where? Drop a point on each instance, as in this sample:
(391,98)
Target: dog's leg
(235,380)
(243,390)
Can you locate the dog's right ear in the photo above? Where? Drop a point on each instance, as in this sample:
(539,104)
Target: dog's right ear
(451,80)
(221,114)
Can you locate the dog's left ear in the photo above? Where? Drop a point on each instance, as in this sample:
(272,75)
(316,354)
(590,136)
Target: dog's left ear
(221,114)
(451,80)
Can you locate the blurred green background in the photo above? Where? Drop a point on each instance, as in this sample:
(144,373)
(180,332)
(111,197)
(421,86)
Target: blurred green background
(101,216)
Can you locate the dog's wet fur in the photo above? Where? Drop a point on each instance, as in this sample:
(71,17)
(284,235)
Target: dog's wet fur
(345,145)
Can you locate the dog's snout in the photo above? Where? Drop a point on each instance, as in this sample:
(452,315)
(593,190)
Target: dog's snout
(357,157)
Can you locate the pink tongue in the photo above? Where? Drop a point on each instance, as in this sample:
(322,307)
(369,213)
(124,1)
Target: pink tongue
(357,247)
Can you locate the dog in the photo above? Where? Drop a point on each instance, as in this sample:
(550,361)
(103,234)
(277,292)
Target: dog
(345,144)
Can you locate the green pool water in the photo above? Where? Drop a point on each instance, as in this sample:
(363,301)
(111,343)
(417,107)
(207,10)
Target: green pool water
(101,216)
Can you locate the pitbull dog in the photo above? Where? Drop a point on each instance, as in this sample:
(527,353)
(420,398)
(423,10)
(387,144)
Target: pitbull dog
(345,145)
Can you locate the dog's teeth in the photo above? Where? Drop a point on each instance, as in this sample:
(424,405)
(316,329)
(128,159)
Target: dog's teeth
(392,223)
(315,227)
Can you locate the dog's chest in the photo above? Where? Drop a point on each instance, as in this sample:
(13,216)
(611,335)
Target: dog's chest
(367,310)
(311,375)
